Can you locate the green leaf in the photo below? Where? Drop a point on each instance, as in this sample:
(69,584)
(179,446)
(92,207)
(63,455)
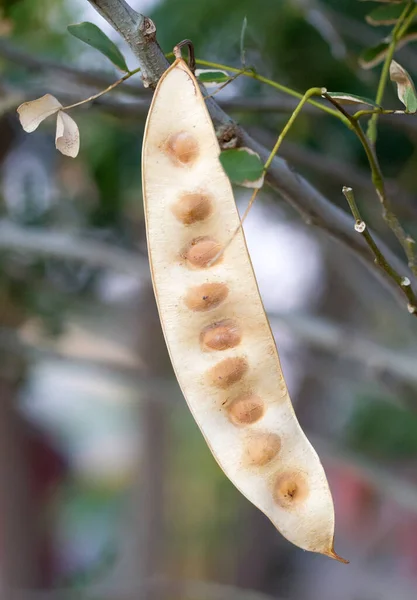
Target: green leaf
(373,56)
(409,36)
(376,54)
(243,166)
(344,98)
(213,76)
(385,15)
(411,100)
(93,36)
(405,86)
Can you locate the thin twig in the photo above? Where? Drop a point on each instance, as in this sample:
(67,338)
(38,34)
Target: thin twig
(361,227)
(225,84)
(390,217)
(108,89)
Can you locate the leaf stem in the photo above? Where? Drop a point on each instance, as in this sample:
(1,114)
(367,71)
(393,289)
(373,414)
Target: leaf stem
(378,111)
(361,227)
(108,89)
(306,98)
(398,31)
(309,93)
(225,84)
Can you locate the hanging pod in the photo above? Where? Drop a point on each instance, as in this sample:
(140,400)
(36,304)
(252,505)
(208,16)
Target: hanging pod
(215,327)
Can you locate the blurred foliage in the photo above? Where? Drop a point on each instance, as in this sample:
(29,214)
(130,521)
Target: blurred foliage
(30,19)
(279,39)
(382,429)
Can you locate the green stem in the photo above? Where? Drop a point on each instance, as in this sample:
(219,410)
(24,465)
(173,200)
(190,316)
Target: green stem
(400,28)
(378,111)
(278,86)
(407,21)
(309,93)
(361,227)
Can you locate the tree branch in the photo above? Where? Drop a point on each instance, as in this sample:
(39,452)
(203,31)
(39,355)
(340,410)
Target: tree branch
(312,206)
(61,245)
(340,341)
(41,63)
(139,32)
(317,332)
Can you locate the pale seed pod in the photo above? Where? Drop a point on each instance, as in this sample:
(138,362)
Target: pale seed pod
(214,323)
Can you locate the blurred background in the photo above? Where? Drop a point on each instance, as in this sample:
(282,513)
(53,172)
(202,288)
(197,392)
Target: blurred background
(107,489)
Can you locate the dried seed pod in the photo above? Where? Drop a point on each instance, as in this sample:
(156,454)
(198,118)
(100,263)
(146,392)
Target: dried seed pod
(214,323)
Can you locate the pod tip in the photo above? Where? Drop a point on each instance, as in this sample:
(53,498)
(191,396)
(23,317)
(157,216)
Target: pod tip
(332,554)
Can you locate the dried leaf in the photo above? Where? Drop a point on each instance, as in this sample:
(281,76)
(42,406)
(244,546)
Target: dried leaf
(385,15)
(93,36)
(67,137)
(31,114)
(243,166)
(405,86)
(344,98)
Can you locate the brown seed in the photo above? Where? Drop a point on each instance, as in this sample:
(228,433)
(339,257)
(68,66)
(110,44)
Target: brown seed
(227,372)
(290,489)
(182,147)
(206,296)
(191,208)
(221,335)
(262,448)
(201,251)
(246,409)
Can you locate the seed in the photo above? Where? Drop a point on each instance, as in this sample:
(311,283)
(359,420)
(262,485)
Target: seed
(221,335)
(246,409)
(191,208)
(183,147)
(227,372)
(291,489)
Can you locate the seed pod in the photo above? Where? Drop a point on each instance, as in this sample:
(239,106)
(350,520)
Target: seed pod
(214,323)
